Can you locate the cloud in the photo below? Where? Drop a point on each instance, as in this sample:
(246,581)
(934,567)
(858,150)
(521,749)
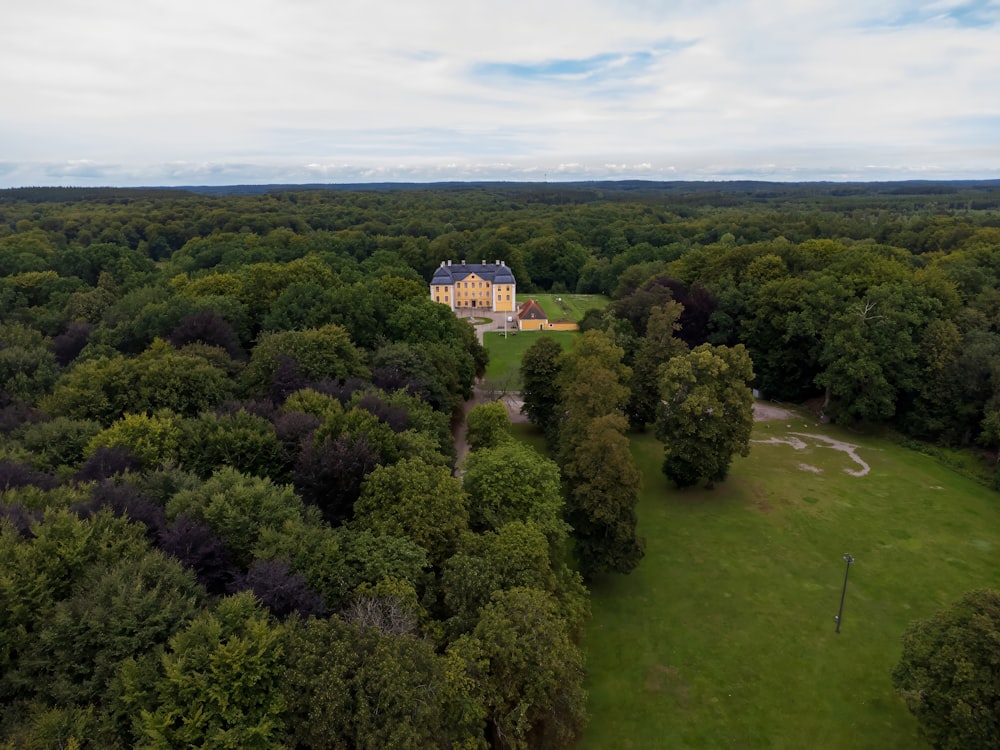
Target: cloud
(121,92)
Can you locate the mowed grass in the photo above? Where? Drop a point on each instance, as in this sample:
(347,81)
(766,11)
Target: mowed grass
(724,636)
(572,307)
(506,353)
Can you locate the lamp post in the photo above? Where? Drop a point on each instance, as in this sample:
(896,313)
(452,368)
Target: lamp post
(848,559)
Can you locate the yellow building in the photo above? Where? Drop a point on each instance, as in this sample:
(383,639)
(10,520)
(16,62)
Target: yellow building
(475,286)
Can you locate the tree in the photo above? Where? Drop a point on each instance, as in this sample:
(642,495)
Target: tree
(218,685)
(416,500)
(706,414)
(529,676)
(947,673)
(27,364)
(516,555)
(604,489)
(540,368)
(242,441)
(513,482)
(357,687)
(115,612)
(656,348)
(325,353)
(593,383)
(488,425)
(237,507)
(151,439)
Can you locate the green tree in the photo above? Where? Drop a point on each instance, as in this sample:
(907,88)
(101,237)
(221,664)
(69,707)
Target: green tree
(706,414)
(540,367)
(27,364)
(604,489)
(656,348)
(513,482)
(153,439)
(325,353)
(115,612)
(356,687)
(218,685)
(515,555)
(593,382)
(948,673)
(416,500)
(160,378)
(242,441)
(529,676)
(58,442)
(487,425)
(238,508)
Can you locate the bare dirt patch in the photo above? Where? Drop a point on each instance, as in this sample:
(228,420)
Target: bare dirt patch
(661,678)
(839,445)
(813,469)
(769,412)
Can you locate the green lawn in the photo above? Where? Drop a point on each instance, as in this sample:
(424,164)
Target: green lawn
(506,353)
(724,636)
(572,307)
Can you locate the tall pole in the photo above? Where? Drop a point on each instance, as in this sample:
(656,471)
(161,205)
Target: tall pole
(848,559)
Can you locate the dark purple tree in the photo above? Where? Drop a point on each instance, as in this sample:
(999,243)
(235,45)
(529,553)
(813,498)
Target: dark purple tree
(208,328)
(329,475)
(286,379)
(14,474)
(199,550)
(106,463)
(20,518)
(68,344)
(16,414)
(124,499)
(280,589)
(397,419)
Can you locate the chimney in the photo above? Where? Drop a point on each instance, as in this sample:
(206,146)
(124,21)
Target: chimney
(463,261)
(449,262)
(496,263)
(484,262)
(442,264)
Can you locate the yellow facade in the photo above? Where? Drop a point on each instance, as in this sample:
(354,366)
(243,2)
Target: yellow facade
(474,291)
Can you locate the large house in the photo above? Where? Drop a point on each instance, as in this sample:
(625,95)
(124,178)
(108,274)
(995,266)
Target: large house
(475,286)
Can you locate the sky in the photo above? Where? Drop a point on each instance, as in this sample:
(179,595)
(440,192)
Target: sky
(216,92)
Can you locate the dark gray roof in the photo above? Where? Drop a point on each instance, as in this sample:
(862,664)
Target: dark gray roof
(493,272)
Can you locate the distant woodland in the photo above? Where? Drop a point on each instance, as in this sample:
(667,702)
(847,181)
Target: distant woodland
(226,433)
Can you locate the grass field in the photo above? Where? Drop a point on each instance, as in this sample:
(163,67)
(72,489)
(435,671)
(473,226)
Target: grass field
(724,636)
(572,307)
(506,353)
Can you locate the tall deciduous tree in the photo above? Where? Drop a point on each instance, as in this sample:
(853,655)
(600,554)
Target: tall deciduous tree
(218,685)
(540,368)
(948,673)
(604,489)
(416,500)
(657,347)
(706,414)
(528,674)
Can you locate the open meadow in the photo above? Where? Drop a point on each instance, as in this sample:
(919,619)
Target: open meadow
(725,634)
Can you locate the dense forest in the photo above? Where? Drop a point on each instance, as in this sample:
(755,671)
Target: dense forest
(230,510)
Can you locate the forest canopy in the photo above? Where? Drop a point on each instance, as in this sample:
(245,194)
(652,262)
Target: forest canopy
(225,433)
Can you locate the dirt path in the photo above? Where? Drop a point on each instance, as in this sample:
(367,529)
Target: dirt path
(763,412)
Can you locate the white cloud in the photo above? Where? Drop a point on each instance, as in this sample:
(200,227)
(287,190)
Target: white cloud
(269,90)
